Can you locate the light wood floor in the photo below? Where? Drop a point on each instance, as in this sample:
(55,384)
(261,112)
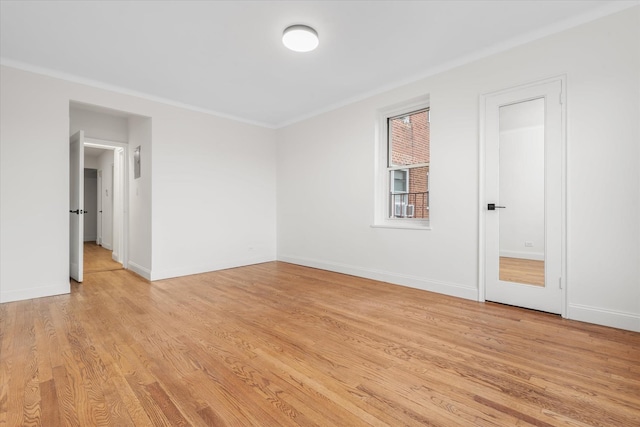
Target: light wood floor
(97,258)
(520,270)
(282,345)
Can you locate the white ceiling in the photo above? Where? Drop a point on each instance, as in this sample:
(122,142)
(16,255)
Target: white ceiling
(227,57)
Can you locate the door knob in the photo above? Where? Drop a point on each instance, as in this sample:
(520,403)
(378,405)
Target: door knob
(493,207)
(77,211)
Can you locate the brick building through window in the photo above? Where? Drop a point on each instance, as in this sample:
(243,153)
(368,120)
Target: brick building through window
(408,164)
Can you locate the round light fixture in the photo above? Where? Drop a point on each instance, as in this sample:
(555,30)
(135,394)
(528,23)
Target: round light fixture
(300,38)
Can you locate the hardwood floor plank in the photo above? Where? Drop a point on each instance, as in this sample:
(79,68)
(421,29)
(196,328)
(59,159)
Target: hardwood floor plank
(277,344)
(514,413)
(236,387)
(166,405)
(83,371)
(210,417)
(123,403)
(48,339)
(65,397)
(17,379)
(49,403)
(150,406)
(7,335)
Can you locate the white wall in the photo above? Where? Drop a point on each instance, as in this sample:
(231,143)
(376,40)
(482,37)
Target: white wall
(34,187)
(140,191)
(90,205)
(90,162)
(326,175)
(214,193)
(199,218)
(99,125)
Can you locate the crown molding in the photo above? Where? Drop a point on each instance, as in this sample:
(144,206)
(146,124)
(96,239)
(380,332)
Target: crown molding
(11,63)
(567,24)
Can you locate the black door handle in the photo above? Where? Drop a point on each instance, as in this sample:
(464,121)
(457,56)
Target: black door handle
(493,207)
(77,212)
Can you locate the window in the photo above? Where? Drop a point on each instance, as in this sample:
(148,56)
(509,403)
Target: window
(404,153)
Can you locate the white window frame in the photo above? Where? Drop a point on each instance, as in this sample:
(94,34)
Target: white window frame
(383,179)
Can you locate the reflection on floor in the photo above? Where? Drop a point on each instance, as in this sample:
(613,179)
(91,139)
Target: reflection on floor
(97,258)
(520,270)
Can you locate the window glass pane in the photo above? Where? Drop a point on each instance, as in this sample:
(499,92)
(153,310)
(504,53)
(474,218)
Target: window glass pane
(400,181)
(409,139)
(413,200)
(419,191)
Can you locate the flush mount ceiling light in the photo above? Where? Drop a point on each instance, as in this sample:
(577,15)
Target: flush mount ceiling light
(300,38)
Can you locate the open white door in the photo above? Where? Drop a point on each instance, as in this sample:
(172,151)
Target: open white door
(76,205)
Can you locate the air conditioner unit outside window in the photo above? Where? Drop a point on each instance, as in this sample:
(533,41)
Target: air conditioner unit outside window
(410,211)
(403,210)
(399,209)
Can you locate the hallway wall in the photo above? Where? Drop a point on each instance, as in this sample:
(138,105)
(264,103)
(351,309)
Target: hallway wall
(90,204)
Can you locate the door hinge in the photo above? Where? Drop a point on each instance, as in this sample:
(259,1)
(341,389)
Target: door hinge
(560,98)
(560,282)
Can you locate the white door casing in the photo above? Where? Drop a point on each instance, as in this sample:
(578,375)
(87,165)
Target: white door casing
(551,296)
(99,213)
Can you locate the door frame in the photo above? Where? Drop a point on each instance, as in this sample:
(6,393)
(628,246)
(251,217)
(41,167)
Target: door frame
(482,212)
(99,209)
(122,250)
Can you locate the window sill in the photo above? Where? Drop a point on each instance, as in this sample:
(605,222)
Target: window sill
(400,226)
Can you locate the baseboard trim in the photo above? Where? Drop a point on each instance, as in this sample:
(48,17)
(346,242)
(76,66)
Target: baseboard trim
(90,238)
(599,316)
(37,292)
(187,271)
(523,255)
(107,246)
(437,286)
(139,270)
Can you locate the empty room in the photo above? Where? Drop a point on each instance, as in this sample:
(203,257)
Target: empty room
(320,213)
